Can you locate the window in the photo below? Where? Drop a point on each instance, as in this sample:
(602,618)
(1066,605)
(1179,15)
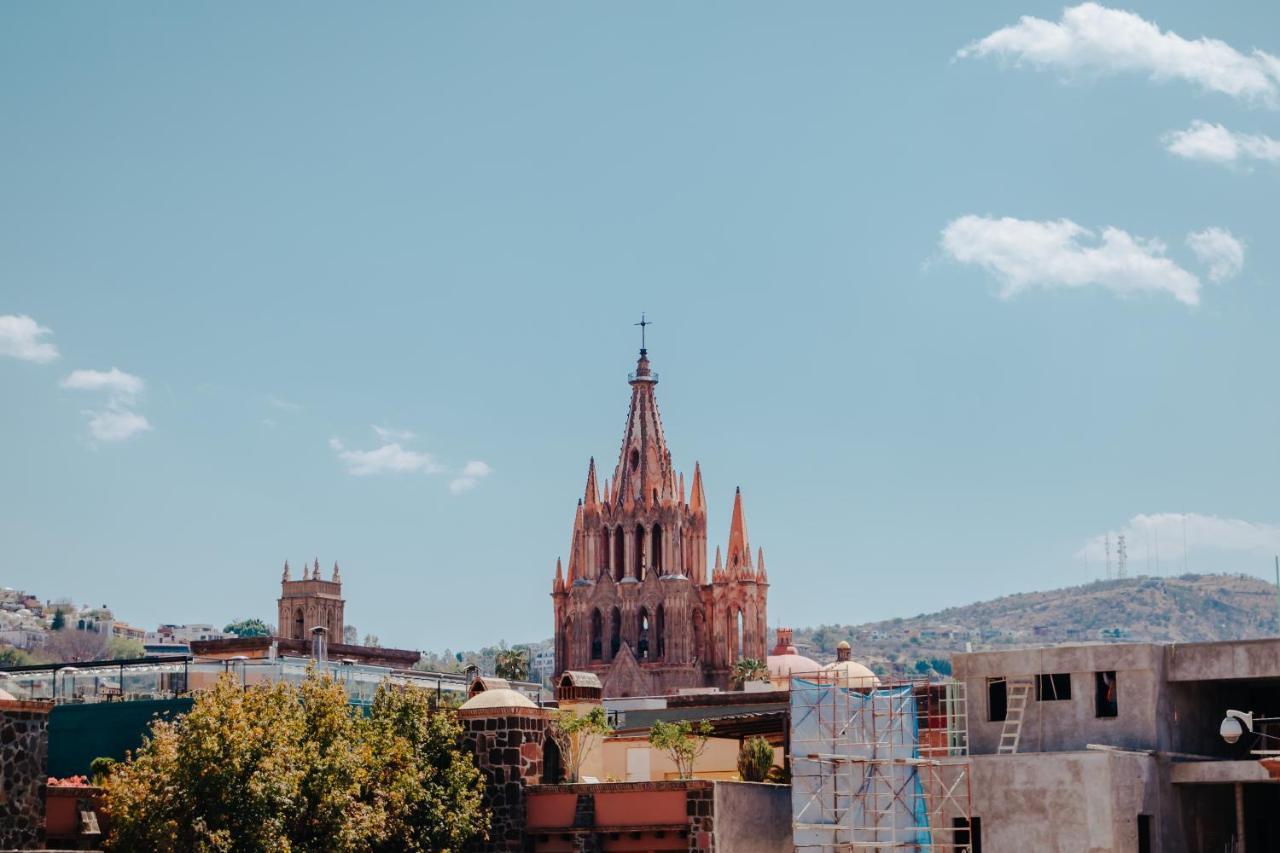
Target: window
(1104,694)
(968,834)
(997,699)
(1053,687)
(1144,832)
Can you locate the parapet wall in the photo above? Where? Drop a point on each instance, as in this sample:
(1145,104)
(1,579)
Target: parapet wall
(24,750)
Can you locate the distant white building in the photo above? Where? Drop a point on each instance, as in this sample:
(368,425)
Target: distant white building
(181,635)
(542,662)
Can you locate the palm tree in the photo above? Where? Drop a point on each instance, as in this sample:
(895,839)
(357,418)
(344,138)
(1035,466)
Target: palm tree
(750,669)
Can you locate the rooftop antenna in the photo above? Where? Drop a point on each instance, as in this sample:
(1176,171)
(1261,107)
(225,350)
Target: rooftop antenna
(1107,545)
(1122,557)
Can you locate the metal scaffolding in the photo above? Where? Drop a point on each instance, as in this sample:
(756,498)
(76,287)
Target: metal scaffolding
(879,768)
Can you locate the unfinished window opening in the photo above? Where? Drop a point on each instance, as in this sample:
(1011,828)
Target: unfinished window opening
(968,834)
(1053,686)
(1144,833)
(997,699)
(1104,694)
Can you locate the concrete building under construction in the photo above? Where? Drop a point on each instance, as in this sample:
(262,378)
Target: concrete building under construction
(1126,747)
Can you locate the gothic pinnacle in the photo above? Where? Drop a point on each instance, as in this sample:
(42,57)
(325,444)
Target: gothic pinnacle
(336,576)
(592,498)
(697,500)
(286,570)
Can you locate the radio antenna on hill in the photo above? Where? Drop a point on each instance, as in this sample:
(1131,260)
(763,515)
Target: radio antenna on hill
(1122,557)
(1106,544)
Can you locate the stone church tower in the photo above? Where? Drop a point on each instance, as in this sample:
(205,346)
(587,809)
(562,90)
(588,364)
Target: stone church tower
(636,605)
(310,602)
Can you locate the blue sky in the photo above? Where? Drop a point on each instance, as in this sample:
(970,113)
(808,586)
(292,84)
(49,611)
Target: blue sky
(949,293)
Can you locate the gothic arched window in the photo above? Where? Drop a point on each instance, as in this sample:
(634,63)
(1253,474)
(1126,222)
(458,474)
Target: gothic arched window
(619,554)
(660,632)
(597,635)
(615,632)
(656,548)
(642,634)
(739,636)
(699,634)
(639,551)
(299,631)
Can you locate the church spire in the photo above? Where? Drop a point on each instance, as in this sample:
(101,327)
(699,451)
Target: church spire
(286,571)
(644,462)
(592,497)
(739,551)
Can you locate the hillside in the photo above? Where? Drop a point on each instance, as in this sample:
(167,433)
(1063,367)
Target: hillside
(1180,609)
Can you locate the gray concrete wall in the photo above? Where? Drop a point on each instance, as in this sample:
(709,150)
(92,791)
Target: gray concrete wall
(1070,724)
(752,817)
(1072,802)
(1226,660)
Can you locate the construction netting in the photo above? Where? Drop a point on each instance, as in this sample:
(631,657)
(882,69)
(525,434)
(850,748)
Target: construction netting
(878,767)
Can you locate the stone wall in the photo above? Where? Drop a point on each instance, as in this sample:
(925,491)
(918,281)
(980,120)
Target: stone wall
(507,744)
(24,749)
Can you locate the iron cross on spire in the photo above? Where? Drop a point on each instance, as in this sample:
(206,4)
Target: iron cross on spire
(642,324)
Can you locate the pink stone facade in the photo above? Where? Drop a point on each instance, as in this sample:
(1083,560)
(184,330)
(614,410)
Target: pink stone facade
(310,602)
(637,606)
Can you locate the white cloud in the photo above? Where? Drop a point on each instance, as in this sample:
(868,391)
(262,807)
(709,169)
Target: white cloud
(470,477)
(22,337)
(283,405)
(121,385)
(1162,534)
(1090,37)
(388,459)
(116,424)
(1025,254)
(1218,250)
(118,421)
(389,434)
(1214,143)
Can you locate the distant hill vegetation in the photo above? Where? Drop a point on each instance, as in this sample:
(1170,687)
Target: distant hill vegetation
(1189,608)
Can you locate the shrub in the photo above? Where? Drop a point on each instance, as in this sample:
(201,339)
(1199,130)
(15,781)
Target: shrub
(755,759)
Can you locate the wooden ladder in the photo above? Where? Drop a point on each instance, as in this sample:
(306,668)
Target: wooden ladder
(1017,692)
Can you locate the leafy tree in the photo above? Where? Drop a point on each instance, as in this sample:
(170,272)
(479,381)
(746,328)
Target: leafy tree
(59,620)
(248,628)
(512,664)
(350,635)
(372,641)
(121,648)
(942,666)
(750,669)
(100,768)
(13,656)
(577,735)
(285,767)
(72,645)
(683,742)
(435,810)
(755,759)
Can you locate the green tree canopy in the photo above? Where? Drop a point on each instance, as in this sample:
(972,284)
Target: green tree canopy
(683,741)
(248,628)
(284,767)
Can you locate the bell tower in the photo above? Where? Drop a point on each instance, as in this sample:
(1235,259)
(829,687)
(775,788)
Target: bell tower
(635,604)
(310,602)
